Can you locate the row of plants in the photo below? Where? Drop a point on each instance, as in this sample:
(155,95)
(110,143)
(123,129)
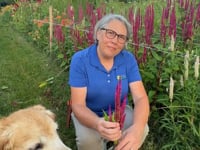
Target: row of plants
(165,42)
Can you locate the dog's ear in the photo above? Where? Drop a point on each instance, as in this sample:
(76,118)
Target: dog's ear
(5,144)
(47,112)
(5,137)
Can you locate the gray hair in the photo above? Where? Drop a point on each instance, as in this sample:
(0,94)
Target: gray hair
(109,17)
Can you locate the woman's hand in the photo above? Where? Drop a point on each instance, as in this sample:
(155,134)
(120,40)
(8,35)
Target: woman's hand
(109,130)
(131,139)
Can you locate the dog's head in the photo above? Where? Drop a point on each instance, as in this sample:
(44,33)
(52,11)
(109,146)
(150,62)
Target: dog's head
(33,128)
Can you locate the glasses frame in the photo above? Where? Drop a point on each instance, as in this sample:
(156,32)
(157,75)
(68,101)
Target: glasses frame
(120,37)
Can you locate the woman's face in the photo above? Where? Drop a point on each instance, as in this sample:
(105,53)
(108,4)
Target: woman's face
(111,39)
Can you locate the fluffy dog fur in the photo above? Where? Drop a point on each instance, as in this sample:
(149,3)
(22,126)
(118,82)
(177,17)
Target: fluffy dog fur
(33,128)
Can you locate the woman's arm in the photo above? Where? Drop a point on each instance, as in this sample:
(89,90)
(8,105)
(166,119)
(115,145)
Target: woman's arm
(108,130)
(141,104)
(80,110)
(132,137)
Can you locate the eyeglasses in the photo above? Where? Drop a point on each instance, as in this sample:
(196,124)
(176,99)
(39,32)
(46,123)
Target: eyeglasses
(112,34)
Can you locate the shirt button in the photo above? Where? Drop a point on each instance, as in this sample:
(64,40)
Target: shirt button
(108,81)
(108,75)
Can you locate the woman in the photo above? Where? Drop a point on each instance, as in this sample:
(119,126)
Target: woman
(93,80)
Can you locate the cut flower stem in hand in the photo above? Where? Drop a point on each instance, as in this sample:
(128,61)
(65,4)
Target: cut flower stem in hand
(119,114)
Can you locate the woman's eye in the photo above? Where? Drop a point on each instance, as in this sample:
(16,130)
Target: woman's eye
(111,32)
(122,37)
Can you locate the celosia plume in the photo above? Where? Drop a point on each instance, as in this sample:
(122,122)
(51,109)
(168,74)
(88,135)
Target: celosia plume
(186,64)
(118,99)
(70,12)
(58,34)
(171,89)
(149,28)
(187,24)
(196,68)
(198,14)
(119,108)
(163,25)
(181,81)
(119,114)
(172,26)
(131,16)
(137,23)
(80,14)
(39,1)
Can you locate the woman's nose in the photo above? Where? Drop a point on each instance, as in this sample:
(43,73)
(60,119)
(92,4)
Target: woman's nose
(115,39)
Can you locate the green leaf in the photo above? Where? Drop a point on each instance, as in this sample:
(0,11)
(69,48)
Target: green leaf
(156,56)
(50,79)
(113,117)
(43,84)
(151,94)
(4,87)
(60,56)
(148,75)
(105,115)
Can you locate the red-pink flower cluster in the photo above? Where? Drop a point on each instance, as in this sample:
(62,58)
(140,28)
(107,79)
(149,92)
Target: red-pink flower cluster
(119,108)
(70,12)
(172,24)
(149,28)
(187,23)
(168,15)
(119,114)
(136,22)
(58,34)
(163,25)
(198,14)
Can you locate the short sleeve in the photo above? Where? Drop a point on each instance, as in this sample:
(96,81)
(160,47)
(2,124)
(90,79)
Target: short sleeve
(133,72)
(77,72)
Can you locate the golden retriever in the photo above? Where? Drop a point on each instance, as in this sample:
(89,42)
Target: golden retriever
(33,128)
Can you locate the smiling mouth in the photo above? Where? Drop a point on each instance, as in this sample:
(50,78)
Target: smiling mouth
(112,48)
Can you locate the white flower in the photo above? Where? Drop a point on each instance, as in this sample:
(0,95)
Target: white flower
(172,43)
(186,63)
(171,89)
(196,68)
(181,81)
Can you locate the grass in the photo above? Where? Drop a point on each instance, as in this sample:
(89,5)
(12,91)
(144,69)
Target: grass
(22,69)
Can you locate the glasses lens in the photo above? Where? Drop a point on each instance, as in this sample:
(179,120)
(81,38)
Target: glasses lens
(110,34)
(122,38)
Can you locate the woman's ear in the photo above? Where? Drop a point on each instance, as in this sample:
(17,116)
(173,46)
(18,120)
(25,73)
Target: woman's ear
(98,34)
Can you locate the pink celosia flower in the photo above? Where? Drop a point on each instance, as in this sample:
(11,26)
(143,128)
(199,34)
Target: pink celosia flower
(187,24)
(80,14)
(172,26)
(198,14)
(163,26)
(70,12)
(39,1)
(131,15)
(149,28)
(119,114)
(137,24)
(58,34)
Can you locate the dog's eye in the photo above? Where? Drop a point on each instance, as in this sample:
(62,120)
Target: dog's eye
(38,146)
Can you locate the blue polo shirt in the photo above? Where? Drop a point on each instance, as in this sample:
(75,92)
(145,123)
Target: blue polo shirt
(87,71)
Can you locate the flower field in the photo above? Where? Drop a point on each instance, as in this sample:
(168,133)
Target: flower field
(165,41)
